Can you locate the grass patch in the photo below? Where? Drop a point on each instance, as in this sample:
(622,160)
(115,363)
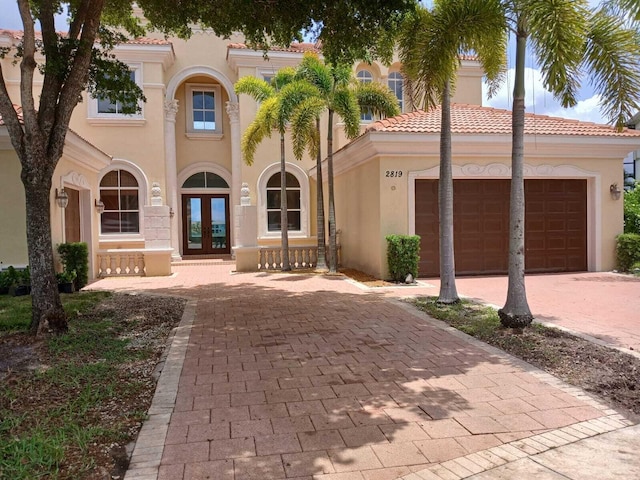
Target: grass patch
(90,389)
(15,312)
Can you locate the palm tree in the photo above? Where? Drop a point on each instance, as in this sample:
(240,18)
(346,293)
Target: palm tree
(278,102)
(339,94)
(568,40)
(430,48)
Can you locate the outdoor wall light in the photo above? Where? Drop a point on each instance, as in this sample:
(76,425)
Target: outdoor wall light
(99,206)
(615,191)
(62,198)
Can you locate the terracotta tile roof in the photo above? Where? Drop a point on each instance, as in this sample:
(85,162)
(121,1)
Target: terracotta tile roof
(17,36)
(293,48)
(18,109)
(475,119)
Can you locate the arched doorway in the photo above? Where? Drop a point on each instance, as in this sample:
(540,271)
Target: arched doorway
(205,215)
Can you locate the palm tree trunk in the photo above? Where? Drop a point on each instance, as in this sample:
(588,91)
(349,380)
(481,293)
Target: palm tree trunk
(516,313)
(321,263)
(47,311)
(333,246)
(448,293)
(284,221)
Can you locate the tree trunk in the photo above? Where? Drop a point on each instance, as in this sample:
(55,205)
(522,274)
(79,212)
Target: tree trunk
(333,246)
(516,313)
(448,293)
(47,312)
(321,263)
(284,221)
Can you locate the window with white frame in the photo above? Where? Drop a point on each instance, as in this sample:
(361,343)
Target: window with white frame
(103,107)
(119,191)
(365,76)
(395,83)
(204,112)
(294,204)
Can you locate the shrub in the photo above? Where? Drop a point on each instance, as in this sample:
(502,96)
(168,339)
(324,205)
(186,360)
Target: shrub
(628,251)
(75,256)
(632,210)
(6,279)
(403,254)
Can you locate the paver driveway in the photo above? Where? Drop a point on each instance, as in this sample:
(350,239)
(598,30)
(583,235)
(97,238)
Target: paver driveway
(300,376)
(600,304)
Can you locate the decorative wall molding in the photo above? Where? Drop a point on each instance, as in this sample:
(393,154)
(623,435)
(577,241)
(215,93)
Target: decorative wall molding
(501,170)
(75,179)
(197,70)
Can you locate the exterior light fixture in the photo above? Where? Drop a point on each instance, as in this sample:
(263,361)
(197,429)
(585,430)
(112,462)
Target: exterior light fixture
(62,198)
(99,206)
(615,191)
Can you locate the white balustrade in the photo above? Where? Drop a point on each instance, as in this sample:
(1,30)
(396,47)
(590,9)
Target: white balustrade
(300,258)
(120,263)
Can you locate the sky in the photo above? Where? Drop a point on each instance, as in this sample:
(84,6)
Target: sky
(537,99)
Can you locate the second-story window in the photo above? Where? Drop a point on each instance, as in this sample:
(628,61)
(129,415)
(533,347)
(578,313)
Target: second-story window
(204,109)
(365,76)
(395,83)
(103,109)
(107,106)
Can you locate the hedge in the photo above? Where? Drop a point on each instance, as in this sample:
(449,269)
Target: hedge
(403,255)
(628,251)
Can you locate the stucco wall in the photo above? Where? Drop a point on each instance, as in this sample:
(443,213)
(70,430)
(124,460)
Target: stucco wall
(13,237)
(358,217)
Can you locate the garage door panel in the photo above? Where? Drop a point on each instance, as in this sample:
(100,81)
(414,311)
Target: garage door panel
(555,225)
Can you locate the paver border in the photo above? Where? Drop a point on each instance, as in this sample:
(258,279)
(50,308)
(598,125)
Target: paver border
(145,460)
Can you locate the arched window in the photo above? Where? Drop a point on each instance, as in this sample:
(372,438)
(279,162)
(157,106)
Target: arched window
(294,210)
(365,76)
(205,180)
(119,192)
(395,83)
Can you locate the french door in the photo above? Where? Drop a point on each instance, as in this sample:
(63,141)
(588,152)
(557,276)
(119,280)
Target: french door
(205,224)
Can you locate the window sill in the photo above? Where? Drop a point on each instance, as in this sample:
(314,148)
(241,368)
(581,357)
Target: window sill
(116,121)
(204,136)
(120,237)
(277,235)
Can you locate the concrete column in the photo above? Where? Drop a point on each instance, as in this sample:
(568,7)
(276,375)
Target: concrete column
(233,110)
(171,171)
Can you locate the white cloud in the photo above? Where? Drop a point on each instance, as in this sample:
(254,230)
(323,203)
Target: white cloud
(538,100)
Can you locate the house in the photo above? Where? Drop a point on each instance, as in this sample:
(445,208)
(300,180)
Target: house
(169,184)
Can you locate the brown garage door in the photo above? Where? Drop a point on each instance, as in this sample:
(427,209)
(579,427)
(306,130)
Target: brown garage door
(556,225)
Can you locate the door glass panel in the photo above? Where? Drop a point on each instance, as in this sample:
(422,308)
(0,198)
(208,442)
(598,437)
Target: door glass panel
(194,223)
(218,223)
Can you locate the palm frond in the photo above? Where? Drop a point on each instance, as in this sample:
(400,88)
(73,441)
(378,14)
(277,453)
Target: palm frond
(345,104)
(377,98)
(283,77)
(315,71)
(290,97)
(260,128)
(304,131)
(611,55)
(254,87)
(557,31)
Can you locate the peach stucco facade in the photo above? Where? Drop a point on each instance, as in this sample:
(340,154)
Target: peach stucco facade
(160,152)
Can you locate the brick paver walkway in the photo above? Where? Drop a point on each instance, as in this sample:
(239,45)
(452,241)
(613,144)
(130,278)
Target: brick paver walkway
(308,377)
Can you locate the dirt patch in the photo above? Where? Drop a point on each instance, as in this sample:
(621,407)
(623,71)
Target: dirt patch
(146,323)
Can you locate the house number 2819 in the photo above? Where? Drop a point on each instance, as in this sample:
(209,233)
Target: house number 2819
(393,173)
